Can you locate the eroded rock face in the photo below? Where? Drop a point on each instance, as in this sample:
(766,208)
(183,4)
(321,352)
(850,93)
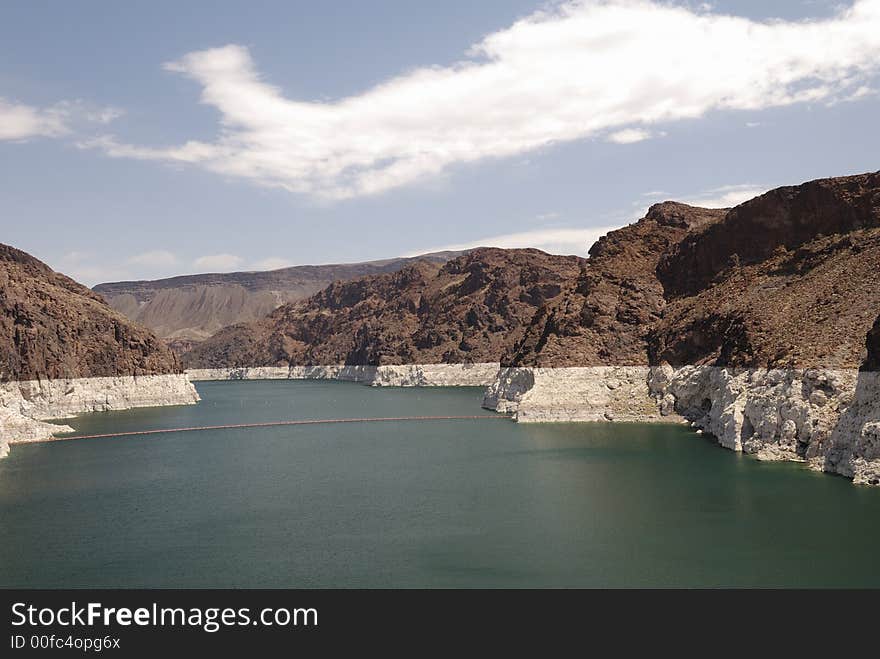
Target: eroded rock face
(25,404)
(786,217)
(604,317)
(755,325)
(188,309)
(812,306)
(564,395)
(759,325)
(404,375)
(63,351)
(470,310)
(52,327)
(829,418)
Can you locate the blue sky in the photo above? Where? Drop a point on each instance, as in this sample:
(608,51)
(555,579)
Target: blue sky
(140,140)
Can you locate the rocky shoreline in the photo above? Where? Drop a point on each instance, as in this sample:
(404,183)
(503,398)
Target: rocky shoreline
(573,394)
(26,405)
(406,375)
(828,418)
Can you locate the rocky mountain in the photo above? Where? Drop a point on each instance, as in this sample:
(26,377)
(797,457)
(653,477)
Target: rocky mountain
(605,315)
(190,308)
(52,327)
(791,281)
(786,279)
(786,218)
(474,308)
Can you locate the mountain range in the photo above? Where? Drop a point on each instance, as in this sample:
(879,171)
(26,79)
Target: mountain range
(190,308)
(785,279)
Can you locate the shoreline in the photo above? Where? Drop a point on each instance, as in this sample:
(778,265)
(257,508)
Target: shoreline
(827,418)
(480,374)
(25,406)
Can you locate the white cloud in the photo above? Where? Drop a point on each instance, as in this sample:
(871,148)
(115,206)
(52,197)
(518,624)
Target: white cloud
(579,240)
(581,69)
(87,268)
(862,92)
(218,262)
(155,259)
(272,263)
(554,241)
(21,122)
(726,196)
(104,115)
(629,136)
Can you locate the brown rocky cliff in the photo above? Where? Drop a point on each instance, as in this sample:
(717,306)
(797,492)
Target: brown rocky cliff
(785,217)
(190,308)
(786,279)
(472,309)
(52,327)
(604,316)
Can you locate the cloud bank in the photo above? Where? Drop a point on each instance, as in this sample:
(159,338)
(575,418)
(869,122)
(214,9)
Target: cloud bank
(726,196)
(218,262)
(553,241)
(19,121)
(585,69)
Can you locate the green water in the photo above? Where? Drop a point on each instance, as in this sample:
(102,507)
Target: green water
(432,504)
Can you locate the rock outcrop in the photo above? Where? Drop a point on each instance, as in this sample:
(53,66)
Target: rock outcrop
(473,309)
(52,327)
(603,319)
(406,375)
(24,405)
(784,218)
(828,418)
(573,394)
(758,326)
(64,351)
(782,289)
(188,309)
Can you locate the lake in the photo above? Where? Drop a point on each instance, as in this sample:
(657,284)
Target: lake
(470,503)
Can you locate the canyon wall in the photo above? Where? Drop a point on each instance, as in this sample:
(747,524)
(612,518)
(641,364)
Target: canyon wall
(589,393)
(25,404)
(758,326)
(188,309)
(472,309)
(828,418)
(64,351)
(407,375)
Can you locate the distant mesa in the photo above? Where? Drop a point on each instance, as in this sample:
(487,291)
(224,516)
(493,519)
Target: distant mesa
(188,309)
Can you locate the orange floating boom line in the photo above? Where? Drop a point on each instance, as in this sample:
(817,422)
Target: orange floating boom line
(265,424)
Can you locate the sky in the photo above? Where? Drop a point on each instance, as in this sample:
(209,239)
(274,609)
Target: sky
(148,139)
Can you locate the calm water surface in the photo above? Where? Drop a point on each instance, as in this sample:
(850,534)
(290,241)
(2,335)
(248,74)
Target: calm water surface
(433,504)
